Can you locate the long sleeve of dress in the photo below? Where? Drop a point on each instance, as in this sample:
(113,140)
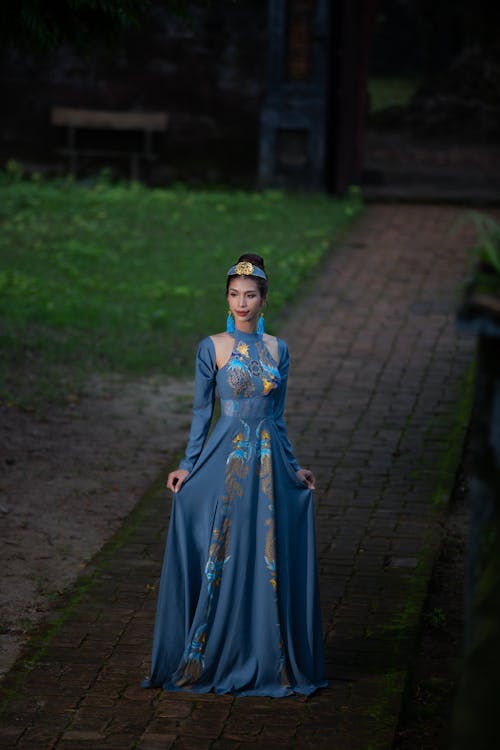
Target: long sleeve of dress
(203,404)
(284,364)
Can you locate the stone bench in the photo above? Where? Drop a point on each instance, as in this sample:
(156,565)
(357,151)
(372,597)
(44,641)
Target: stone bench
(75,120)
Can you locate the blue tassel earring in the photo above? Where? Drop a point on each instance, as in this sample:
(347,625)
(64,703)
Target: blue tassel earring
(230,323)
(261,328)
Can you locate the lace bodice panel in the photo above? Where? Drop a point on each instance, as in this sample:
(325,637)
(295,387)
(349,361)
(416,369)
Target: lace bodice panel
(252,374)
(250,371)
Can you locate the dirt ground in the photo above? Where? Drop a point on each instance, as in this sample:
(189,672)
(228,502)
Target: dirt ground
(68,479)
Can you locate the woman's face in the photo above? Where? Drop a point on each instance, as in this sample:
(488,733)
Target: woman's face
(245,300)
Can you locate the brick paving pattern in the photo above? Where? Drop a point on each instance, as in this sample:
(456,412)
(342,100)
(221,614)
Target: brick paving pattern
(376,407)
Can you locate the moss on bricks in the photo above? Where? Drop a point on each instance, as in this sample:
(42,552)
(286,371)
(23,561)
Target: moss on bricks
(386,708)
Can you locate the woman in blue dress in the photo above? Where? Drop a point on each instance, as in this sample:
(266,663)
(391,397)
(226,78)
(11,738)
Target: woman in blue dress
(238,606)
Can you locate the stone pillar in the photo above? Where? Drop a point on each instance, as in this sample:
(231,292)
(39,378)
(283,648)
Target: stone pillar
(294,116)
(313,118)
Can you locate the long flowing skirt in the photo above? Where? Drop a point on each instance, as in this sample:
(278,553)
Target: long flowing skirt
(238,605)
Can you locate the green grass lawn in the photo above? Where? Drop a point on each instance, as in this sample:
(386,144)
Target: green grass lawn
(391,91)
(126,278)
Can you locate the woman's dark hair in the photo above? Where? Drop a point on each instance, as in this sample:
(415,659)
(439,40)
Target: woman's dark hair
(255,260)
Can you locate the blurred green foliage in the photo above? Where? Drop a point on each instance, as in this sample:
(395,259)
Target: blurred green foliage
(486,248)
(42,26)
(484,253)
(38,26)
(124,278)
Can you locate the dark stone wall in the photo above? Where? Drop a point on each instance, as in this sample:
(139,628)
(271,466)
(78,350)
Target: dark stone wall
(477,703)
(208,71)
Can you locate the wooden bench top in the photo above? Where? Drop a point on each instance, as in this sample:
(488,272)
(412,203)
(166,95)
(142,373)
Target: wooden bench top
(114,120)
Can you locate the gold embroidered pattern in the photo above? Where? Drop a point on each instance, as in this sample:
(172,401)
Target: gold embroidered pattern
(236,471)
(267,488)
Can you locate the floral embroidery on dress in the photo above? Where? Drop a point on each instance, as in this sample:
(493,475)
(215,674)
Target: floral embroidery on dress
(236,470)
(266,485)
(242,348)
(271,378)
(242,369)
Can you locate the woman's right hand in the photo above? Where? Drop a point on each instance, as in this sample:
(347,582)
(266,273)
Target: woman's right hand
(176,479)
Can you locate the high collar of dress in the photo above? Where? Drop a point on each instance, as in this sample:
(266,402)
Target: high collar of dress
(254,336)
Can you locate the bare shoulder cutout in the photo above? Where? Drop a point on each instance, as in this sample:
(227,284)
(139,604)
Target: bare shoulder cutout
(223,343)
(271,343)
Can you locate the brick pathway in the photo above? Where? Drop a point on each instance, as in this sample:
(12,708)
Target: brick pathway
(377,406)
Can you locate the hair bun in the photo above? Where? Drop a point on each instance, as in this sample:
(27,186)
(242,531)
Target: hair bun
(256,260)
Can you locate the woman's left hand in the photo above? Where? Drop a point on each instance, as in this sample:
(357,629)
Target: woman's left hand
(306,476)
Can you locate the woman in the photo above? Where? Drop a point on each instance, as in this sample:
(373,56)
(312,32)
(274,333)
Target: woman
(238,606)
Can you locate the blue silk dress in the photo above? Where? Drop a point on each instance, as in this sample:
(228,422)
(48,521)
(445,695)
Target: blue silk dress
(238,605)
